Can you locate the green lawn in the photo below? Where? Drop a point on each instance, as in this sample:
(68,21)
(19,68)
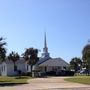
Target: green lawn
(79,79)
(14,80)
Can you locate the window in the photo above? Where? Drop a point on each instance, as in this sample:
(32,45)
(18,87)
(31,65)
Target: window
(15,68)
(27,67)
(2,68)
(64,68)
(54,68)
(59,67)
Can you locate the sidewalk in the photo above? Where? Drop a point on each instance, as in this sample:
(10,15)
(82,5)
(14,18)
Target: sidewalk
(51,83)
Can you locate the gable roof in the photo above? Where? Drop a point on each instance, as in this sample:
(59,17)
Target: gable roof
(20,61)
(41,60)
(7,62)
(54,62)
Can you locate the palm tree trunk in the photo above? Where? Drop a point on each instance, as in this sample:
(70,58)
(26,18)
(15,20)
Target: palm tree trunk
(31,70)
(15,67)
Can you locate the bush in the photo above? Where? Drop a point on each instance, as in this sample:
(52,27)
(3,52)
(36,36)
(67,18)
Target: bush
(70,73)
(51,73)
(65,73)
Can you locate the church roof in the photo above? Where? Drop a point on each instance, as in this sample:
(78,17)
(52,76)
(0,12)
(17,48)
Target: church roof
(54,62)
(41,60)
(7,61)
(20,61)
(46,60)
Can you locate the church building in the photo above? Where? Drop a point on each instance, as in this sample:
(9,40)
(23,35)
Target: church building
(45,64)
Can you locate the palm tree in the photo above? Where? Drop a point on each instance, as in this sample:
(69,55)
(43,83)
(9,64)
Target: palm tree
(14,57)
(86,53)
(76,63)
(31,56)
(2,49)
(86,57)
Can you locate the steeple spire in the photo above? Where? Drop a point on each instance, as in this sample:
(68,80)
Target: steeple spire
(45,49)
(45,42)
(45,53)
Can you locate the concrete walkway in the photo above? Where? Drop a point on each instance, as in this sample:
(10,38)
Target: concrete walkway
(51,83)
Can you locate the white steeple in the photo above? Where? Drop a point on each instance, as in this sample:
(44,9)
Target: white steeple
(45,49)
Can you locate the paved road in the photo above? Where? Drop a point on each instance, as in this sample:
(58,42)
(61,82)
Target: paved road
(51,83)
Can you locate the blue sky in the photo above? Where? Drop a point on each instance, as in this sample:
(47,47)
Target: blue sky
(66,22)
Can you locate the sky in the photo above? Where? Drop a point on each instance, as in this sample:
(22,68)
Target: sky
(66,23)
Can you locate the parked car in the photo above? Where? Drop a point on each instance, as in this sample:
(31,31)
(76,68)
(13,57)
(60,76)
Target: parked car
(83,71)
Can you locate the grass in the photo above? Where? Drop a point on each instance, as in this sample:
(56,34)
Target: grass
(79,79)
(14,80)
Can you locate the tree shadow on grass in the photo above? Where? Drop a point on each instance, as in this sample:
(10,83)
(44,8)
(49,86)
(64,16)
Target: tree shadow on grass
(11,84)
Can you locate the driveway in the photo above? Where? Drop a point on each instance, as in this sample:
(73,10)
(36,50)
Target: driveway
(51,83)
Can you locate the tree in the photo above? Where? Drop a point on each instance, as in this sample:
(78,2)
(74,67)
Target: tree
(31,56)
(14,57)
(86,57)
(75,64)
(2,49)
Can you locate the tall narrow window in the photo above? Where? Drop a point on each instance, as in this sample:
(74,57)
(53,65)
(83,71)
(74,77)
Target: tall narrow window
(15,68)
(4,67)
(27,67)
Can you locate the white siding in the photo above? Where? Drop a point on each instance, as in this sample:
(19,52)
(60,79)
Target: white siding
(3,69)
(10,70)
(28,68)
(49,68)
(21,67)
(0,69)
